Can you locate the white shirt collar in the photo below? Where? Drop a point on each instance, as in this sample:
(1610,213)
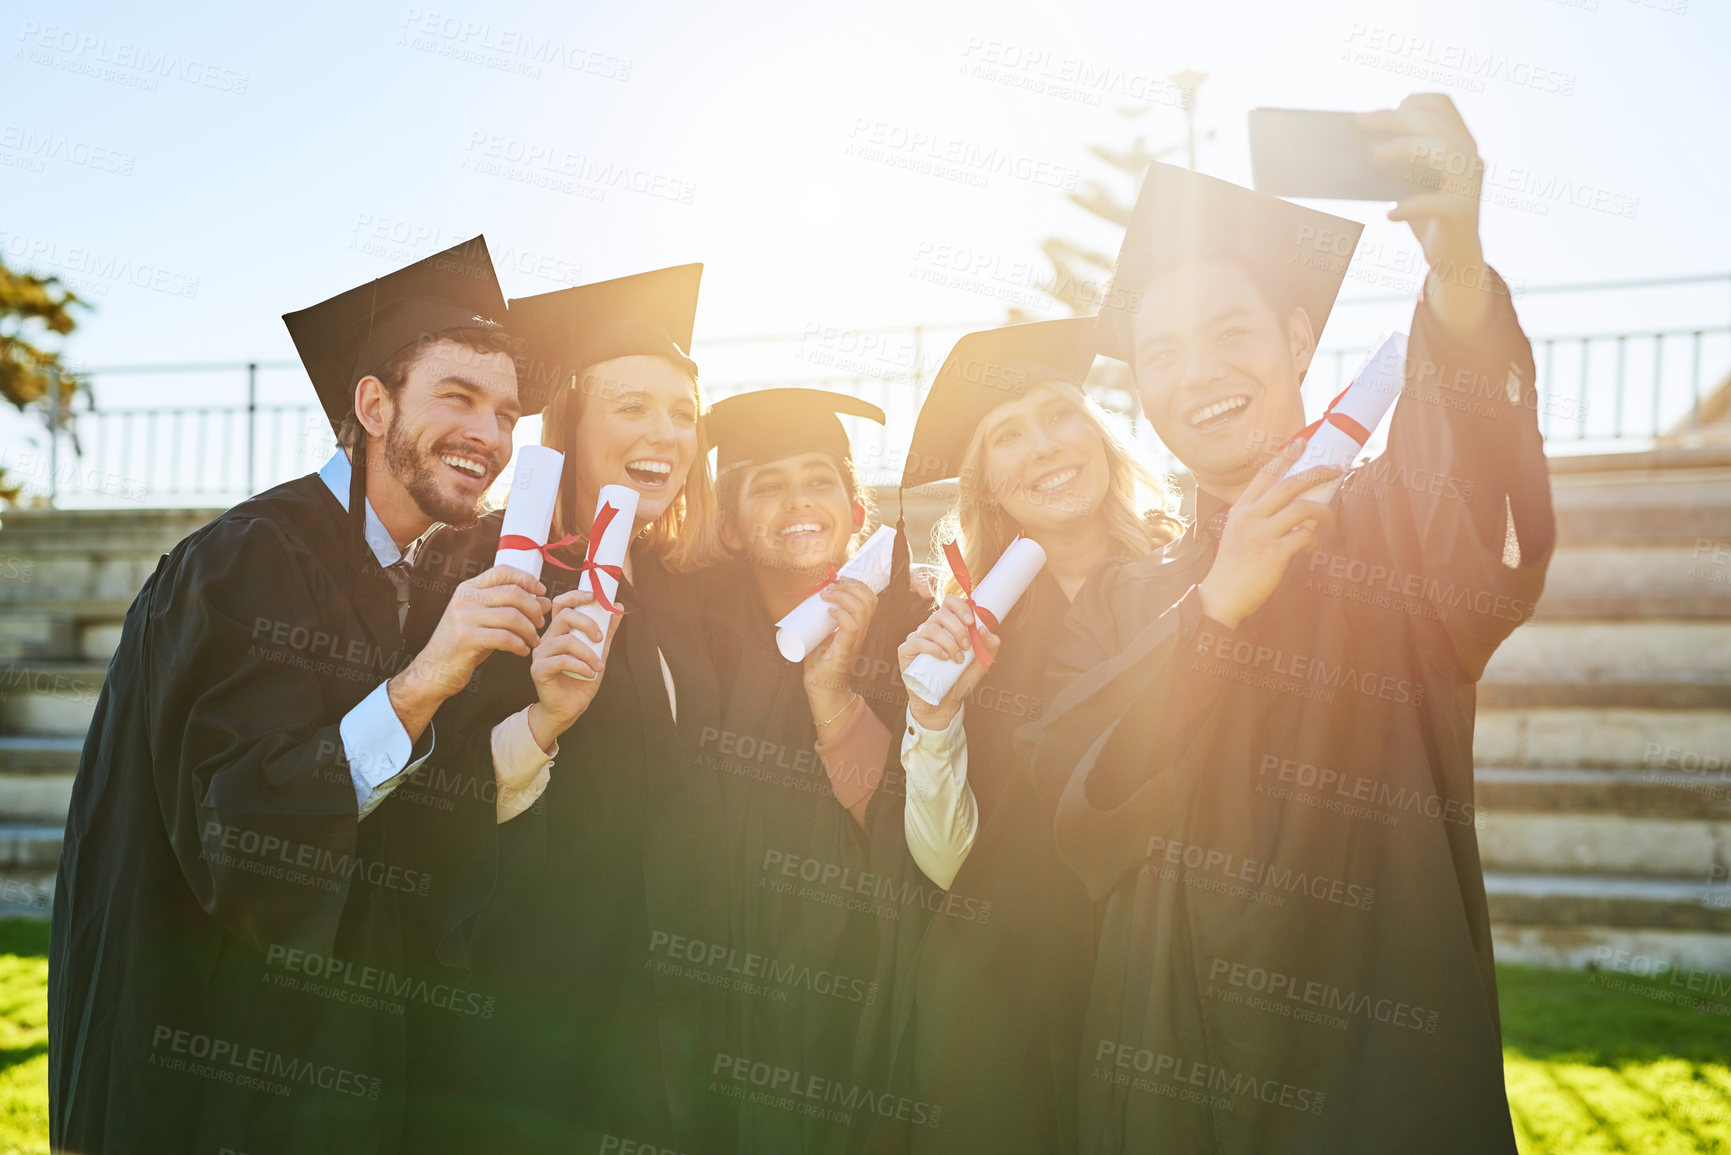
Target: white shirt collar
(336,474)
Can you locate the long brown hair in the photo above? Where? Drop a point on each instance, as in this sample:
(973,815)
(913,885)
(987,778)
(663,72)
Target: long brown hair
(683,538)
(1138,504)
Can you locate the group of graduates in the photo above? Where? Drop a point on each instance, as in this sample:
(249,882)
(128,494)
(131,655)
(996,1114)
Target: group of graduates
(377,846)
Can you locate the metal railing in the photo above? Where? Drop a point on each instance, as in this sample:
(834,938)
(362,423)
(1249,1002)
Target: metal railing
(1615,389)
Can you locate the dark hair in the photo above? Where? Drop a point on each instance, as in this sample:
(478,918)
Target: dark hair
(484,339)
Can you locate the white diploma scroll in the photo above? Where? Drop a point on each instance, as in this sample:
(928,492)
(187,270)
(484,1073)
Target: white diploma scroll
(610,551)
(529,509)
(1362,406)
(809,624)
(930,678)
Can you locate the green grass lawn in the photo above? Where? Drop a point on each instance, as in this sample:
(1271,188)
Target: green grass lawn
(1594,1063)
(23,1036)
(1611,1062)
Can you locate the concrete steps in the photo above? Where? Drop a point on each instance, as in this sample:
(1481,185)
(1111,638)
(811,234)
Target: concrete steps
(1633,793)
(49,697)
(1586,920)
(67,578)
(1612,738)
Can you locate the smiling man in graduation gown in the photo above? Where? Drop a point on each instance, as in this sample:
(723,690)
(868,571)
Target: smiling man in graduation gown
(1263,738)
(232,854)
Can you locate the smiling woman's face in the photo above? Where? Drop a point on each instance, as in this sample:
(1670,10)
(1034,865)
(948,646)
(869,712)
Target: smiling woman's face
(793,513)
(1043,460)
(637,427)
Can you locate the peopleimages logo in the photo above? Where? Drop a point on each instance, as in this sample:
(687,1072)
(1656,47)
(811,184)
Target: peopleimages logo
(1330,1001)
(792,1090)
(225,1061)
(121,61)
(752,973)
(860,891)
(1271,883)
(363,985)
(1195,1081)
(228,845)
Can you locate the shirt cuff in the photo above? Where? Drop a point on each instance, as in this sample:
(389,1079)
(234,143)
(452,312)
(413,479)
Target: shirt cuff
(938,742)
(521,769)
(378,748)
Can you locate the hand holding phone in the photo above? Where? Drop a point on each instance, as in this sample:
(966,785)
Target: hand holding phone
(1325,155)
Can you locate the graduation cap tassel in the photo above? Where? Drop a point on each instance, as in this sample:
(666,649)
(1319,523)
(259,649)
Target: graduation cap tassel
(568,475)
(358,482)
(358,454)
(901,566)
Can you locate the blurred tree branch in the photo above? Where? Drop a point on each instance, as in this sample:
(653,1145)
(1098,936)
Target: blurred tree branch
(32,309)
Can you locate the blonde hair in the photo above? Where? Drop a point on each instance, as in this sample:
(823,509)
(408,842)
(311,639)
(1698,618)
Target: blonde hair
(683,538)
(1137,507)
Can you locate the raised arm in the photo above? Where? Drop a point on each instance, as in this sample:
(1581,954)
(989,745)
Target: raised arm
(1478,542)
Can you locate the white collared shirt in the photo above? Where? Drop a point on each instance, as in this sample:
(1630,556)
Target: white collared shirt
(374,740)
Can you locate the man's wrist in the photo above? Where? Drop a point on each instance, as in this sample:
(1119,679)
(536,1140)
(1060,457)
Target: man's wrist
(416,696)
(1461,291)
(1214,608)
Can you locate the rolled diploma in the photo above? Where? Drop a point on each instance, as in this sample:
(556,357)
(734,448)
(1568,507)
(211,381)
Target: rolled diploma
(529,509)
(614,543)
(998,592)
(1367,401)
(809,624)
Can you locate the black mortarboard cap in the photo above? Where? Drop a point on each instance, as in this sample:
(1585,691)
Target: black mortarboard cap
(983,371)
(568,330)
(769,424)
(351,335)
(1182,215)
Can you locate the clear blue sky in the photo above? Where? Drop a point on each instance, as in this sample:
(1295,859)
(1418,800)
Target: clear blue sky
(204,168)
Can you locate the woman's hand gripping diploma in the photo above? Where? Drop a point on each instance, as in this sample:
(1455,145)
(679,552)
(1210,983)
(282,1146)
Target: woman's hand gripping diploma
(566,666)
(945,635)
(827,670)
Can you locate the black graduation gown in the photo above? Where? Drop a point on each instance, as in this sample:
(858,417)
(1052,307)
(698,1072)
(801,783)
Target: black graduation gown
(586,1043)
(229,955)
(805,916)
(990,1018)
(1295,951)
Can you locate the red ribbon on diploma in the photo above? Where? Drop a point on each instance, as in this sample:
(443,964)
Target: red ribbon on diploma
(1339,420)
(960,569)
(590,566)
(527,545)
(822,585)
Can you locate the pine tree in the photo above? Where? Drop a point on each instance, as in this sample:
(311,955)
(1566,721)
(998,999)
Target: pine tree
(1080,273)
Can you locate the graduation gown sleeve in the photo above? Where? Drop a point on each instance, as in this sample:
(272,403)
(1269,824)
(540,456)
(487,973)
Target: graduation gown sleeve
(1463,491)
(247,755)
